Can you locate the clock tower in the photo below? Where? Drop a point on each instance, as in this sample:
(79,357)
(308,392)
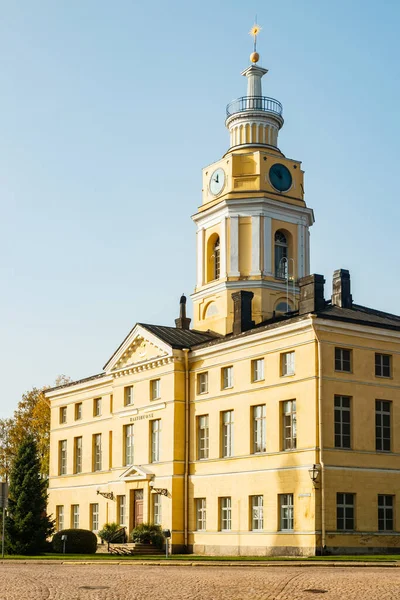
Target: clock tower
(253,223)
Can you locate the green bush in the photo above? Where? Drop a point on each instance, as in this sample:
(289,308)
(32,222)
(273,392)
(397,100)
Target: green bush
(79,541)
(148,533)
(108,533)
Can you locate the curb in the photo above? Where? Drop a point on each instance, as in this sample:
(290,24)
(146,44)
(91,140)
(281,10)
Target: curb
(172,563)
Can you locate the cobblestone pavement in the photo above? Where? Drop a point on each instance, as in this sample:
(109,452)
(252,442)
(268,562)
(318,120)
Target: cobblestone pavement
(130,582)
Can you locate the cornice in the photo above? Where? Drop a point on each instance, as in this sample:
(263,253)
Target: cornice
(243,284)
(79,387)
(150,364)
(349,328)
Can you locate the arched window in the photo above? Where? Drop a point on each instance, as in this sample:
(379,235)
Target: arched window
(216,253)
(281,252)
(282,308)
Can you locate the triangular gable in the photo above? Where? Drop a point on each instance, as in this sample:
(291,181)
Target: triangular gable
(139,346)
(135,473)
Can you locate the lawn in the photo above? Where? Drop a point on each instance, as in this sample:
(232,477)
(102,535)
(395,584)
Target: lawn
(200,558)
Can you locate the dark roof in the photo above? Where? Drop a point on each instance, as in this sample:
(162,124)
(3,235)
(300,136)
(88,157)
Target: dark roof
(361,315)
(70,383)
(180,338)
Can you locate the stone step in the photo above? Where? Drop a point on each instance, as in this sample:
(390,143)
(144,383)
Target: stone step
(134,548)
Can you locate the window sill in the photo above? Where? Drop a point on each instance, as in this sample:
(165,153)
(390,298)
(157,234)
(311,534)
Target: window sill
(346,372)
(383,376)
(155,399)
(258,380)
(202,393)
(286,530)
(229,387)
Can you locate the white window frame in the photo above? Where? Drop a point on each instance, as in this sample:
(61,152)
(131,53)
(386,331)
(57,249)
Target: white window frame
(78,455)
(339,358)
(257,370)
(94,516)
(75,516)
(157,508)
(288,363)
(202,383)
(259,428)
(121,507)
(227,426)
(97,452)
(383,416)
(63,415)
(386,512)
(289,423)
(286,512)
(97,407)
(155,440)
(78,411)
(379,366)
(257,513)
(201,514)
(60,514)
(155,389)
(227,378)
(63,457)
(128,395)
(347,504)
(202,437)
(225,505)
(129,444)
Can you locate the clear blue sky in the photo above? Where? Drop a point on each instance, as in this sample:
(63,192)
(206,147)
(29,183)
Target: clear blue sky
(108,112)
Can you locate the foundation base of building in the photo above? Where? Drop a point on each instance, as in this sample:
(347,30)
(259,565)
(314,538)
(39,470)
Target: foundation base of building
(211,550)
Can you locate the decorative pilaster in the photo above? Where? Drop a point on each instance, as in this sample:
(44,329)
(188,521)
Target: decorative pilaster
(267,270)
(255,246)
(234,249)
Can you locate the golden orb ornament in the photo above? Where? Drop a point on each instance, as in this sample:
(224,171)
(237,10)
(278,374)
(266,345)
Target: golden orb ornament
(254,57)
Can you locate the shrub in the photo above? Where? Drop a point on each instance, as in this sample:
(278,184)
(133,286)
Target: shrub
(148,533)
(79,541)
(109,533)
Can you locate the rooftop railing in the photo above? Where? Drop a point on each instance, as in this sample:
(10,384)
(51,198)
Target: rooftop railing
(246,103)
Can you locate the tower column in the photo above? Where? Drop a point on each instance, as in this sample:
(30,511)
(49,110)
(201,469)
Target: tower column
(267,246)
(223,249)
(300,251)
(255,246)
(200,257)
(234,247)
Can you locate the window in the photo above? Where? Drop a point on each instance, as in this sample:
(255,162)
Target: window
(257,369)
(343,360)
(225,514)
(202,437)
(201,514)
(155,389)
(63,414)
(78,411)
(257,512)
(62,461)
(287,363)
(259,429)
(382,425)
(289,425)
(202,383)
(94,517)
(75,516)
(217,259)
(227,378)
(97,407)
(383,365)
(128,395)
(78,455)
(286,510)
(342,422)
(345,512)
(121,510)
(129,444)
(281,255)
(227,433)
(155,440)
(97,452)
(385,513)
(60,517)
(157,509)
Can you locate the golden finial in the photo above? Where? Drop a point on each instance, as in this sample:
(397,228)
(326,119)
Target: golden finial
(254,31)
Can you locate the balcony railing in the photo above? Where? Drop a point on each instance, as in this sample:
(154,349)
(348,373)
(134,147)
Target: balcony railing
(254,103)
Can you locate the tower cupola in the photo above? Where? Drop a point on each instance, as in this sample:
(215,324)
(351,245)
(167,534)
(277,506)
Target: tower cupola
(254,119)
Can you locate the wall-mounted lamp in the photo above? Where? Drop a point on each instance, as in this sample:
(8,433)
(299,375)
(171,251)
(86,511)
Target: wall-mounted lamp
(314,473)
(154,490)
(108,495)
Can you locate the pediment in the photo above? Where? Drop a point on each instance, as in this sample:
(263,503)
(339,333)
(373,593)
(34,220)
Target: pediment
(136,473)
(140,346)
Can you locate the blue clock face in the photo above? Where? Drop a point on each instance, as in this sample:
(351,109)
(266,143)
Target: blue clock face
(280,177)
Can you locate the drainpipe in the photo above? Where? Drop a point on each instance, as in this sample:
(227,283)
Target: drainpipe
(187,432)
(321,444)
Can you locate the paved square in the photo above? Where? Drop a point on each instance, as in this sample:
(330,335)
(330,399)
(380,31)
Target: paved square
(131,582)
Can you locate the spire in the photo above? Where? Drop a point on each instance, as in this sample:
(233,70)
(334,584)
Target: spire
(182,322)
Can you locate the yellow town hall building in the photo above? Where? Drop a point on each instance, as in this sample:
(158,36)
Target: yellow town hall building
(270,427)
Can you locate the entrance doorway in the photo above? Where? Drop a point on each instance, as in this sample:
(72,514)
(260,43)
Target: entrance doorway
(138,507)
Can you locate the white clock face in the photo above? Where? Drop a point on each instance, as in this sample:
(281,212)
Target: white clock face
(217,182)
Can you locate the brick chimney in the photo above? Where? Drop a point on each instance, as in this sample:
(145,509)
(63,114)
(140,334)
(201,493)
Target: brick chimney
(183,322)
(341,295)
(311,294)
(242,311)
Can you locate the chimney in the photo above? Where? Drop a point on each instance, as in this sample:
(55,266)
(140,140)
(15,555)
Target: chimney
(242,311)
(311,294)
(341,295)
(183,322)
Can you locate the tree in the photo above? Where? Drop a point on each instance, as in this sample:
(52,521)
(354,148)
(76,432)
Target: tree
(5,448)
(27,525)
